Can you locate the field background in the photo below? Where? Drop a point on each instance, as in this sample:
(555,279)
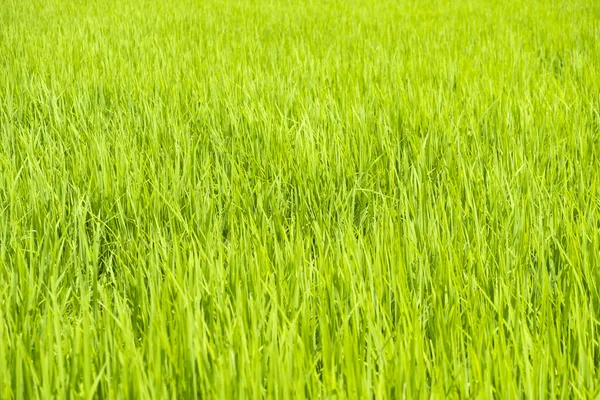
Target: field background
(350,199)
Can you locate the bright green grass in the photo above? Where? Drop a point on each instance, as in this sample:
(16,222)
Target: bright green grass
(344,198)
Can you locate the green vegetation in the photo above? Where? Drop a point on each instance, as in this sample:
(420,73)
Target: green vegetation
(299,199)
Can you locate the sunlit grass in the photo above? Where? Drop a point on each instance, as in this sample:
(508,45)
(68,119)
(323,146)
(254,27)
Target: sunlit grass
(299,199)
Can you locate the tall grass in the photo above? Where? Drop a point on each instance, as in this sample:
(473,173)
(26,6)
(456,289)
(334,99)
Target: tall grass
(299,199)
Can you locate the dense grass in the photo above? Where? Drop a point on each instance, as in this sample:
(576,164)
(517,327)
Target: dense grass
(350,198)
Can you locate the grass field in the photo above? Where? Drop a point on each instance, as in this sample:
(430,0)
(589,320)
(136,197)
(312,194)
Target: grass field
(299,199)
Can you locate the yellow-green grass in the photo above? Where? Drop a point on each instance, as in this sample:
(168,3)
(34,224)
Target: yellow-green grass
(299,199)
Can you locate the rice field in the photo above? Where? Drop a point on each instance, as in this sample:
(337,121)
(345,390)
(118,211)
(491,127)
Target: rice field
(299,199)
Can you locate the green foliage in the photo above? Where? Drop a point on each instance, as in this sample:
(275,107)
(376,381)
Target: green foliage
(299,199)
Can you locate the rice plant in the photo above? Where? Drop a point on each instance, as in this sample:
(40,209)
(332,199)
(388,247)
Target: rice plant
(299,199)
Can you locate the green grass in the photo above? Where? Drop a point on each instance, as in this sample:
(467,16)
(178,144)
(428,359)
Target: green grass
(299,199)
